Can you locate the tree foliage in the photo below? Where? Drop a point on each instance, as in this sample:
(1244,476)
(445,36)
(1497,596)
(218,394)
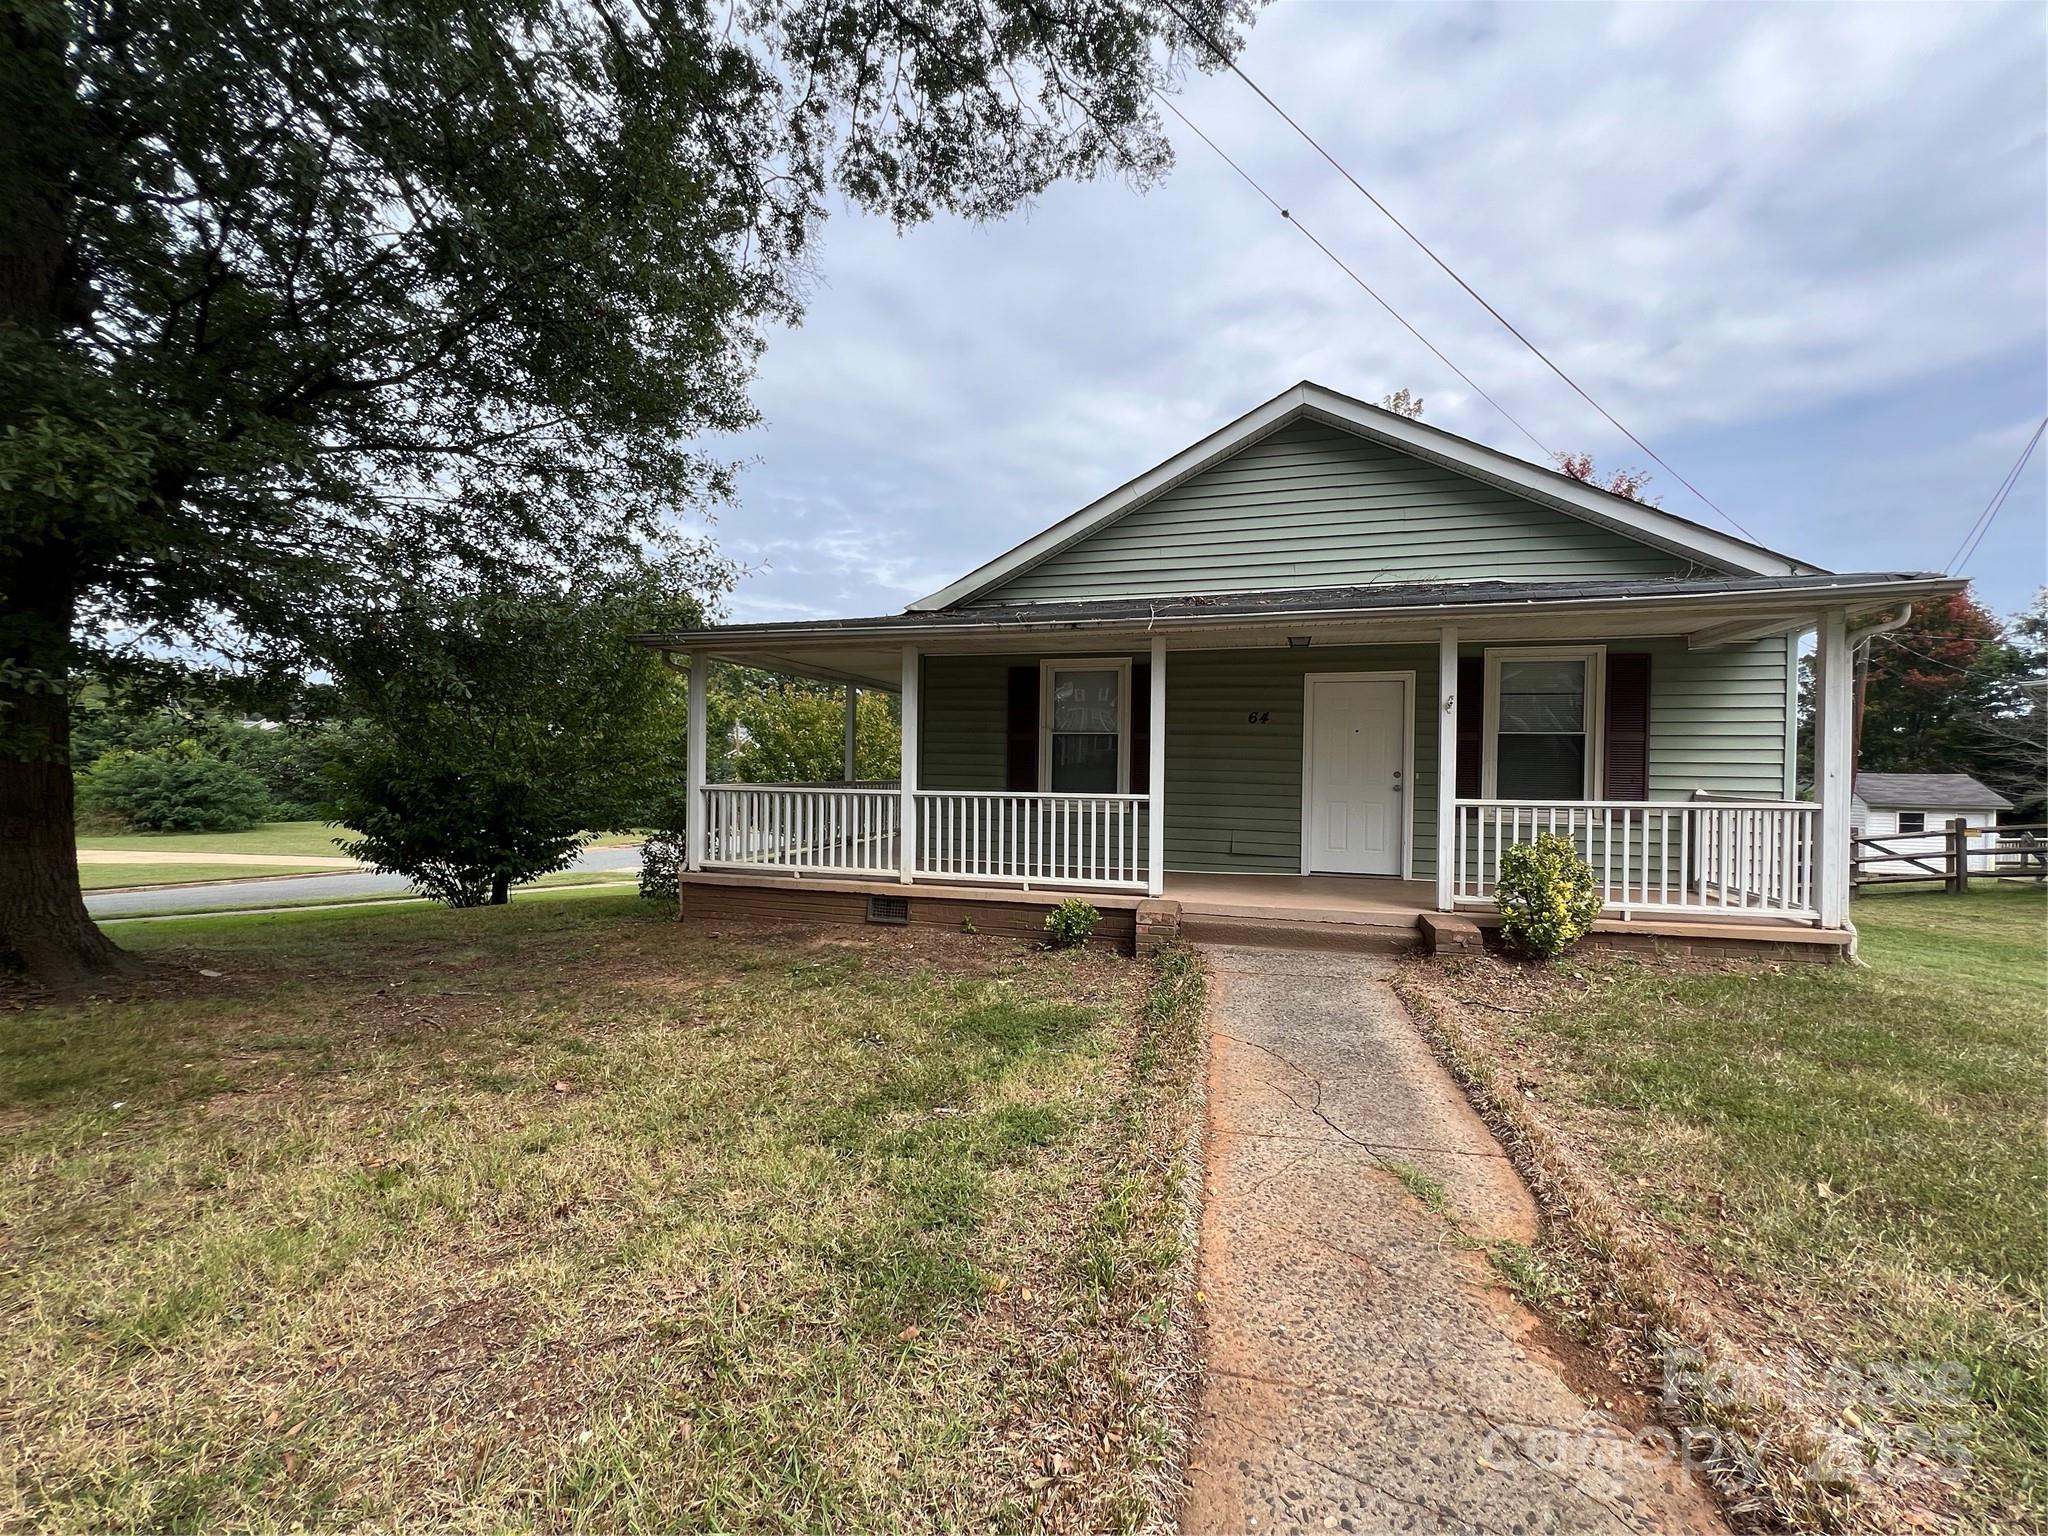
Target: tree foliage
(1947,693)
(178,787)
(1628,481)
(303,302)
(769,729)
(290,752)
(506,723)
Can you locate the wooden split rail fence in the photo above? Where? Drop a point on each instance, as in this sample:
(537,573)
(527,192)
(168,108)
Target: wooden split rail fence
(1953,855)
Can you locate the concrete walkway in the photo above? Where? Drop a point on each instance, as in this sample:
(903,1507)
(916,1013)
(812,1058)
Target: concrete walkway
(1366,1370)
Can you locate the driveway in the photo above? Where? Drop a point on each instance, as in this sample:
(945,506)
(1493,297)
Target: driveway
(268,893)
(1367,1371)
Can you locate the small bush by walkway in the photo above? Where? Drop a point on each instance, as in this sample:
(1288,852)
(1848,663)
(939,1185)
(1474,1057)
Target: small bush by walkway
(561,1216)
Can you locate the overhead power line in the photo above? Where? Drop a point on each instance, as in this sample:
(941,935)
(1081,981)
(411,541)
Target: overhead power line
(1342,266)
(1974,536)
(1223,55)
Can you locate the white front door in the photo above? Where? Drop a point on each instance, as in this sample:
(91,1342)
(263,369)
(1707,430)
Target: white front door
(1357,750)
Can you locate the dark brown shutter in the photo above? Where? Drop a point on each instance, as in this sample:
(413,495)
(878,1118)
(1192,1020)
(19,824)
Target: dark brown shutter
(1628,725)
(1020,741)
(1471,725)
(1141,727)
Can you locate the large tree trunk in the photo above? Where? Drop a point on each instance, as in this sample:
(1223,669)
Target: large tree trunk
(44,929)
(501,890)
(43,926)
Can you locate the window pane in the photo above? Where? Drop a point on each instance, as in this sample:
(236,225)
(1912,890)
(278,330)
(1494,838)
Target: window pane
(1084,701)
(1543,696)
(1084,765)
(1540,767)
(1912,821)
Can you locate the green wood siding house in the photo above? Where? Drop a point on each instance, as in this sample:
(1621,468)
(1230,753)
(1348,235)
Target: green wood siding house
(1328,643)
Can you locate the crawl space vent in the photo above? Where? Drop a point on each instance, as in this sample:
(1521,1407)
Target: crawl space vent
(888,909)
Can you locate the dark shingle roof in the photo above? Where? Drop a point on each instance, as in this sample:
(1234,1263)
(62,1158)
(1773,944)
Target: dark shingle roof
(1281,602)
(1928,792)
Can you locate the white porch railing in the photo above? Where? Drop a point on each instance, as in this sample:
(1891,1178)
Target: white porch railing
(991,837)
(1732,857)
(1032,839)
(807,829)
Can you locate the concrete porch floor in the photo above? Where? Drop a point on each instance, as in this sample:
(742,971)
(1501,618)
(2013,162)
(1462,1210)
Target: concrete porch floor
(1304,898)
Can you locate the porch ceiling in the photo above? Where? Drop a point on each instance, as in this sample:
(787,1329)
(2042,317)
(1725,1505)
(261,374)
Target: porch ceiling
(1709,612)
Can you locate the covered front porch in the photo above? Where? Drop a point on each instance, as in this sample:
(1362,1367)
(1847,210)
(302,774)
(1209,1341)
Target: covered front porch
(1372,757)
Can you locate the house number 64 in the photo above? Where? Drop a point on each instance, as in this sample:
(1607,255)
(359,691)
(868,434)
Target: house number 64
(1259,717)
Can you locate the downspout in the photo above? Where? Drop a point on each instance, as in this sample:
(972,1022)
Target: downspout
(1861,643)
(1860,648)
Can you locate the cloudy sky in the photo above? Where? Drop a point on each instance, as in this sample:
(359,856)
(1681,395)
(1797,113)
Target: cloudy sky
(1802,250)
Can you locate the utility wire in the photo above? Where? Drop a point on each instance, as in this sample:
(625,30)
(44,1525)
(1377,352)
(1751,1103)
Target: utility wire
(1224,56)
(1974,536)
(1309,235)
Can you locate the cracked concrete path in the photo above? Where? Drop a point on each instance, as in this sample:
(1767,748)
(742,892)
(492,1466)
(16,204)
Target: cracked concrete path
(1366,1370)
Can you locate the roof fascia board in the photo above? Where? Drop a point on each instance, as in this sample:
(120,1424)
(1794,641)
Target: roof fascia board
(1646,524)
(1792,601)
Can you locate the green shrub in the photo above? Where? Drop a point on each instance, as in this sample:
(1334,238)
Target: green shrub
(178,788)
(661,867)
(1070,923)
(1546,895)
(662,853)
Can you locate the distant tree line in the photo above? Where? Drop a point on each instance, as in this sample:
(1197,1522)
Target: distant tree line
(473,737)
(1954,691)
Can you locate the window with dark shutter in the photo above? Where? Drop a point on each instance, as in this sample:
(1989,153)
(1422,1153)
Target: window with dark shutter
(1544,721)
(1628,725)
(1471,726)
(1141,728)
(1020,738)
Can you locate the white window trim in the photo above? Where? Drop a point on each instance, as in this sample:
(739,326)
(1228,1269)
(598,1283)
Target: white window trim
(1308,736)
(1121,665)
(1595,658)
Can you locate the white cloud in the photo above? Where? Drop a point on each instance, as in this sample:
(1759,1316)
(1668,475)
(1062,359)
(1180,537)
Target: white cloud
(1722,220)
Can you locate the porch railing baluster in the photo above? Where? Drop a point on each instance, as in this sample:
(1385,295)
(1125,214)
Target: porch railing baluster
(1754,858)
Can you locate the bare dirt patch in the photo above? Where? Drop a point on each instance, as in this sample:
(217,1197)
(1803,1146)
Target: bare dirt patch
(1719,1153)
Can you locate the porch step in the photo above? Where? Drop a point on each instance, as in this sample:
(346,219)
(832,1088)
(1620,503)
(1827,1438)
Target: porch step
(1375,933)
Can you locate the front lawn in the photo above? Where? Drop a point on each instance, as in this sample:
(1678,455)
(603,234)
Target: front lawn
(107,877)
(559,1216)
(1847,1164)
(301,838)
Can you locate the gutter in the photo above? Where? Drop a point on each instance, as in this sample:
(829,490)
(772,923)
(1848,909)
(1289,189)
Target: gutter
(766,634)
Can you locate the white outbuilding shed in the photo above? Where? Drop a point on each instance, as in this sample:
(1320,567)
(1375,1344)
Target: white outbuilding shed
(1911,811)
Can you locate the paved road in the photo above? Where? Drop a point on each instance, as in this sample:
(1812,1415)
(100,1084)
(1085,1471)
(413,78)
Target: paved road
(268,893)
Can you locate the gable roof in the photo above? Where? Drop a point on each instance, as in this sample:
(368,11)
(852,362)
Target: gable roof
(1306,401)
(1928,791)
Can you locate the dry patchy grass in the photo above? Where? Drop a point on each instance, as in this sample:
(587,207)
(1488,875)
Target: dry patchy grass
(559,1216)
(1833,1168)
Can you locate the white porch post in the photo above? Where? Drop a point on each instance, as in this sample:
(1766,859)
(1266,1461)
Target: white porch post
(1446,762)
(1833,732)
(695,810)
(906,814)
(1155,775)
(852,720)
